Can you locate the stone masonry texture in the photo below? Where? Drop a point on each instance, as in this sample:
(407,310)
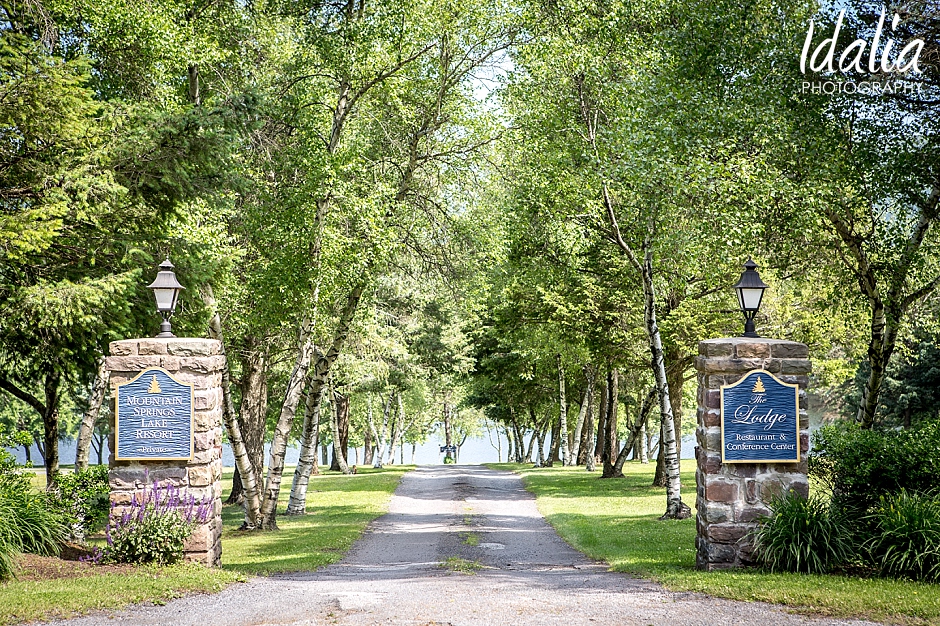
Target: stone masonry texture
(731,498)
(197,361)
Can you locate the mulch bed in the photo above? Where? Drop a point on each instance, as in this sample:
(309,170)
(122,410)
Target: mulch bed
(66,565)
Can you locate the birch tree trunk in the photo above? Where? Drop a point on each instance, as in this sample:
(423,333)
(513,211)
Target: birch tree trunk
(398,439)
(243,462)
(577,443)
(309,442)
(589,427)
(675,508)
(382,438)
(321,370)
(563,415)
(586,442)
(98,389)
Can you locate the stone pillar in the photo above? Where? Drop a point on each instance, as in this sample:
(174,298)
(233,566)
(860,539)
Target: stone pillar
(732,496)
(198,362)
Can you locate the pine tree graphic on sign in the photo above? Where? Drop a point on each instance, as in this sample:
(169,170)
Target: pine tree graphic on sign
(154,385)
(759,386)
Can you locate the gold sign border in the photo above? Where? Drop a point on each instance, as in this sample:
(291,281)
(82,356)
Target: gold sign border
(192,420)
(796,394)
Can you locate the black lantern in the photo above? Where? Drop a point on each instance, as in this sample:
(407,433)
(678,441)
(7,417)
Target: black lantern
(166,291)
(750,292)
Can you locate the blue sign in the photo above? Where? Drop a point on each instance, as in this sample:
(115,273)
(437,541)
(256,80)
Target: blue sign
(760,420)
(153,420)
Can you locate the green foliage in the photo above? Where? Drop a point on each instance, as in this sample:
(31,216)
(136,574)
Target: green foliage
(27,523)
(859,466)
(82,499)
(911,390)
(906,541)
(155,526)
(158,538)
(802,535)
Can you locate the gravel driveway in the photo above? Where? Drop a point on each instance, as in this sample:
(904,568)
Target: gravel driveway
(393,574)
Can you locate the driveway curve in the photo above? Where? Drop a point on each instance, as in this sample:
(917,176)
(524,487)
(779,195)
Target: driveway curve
(470,517)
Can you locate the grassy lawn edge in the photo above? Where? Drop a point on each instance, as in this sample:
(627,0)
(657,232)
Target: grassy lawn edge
(615,521)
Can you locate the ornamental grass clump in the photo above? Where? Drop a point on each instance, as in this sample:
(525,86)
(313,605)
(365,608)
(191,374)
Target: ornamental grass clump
(906,538)
(802,535)
(28,523)
(155,527)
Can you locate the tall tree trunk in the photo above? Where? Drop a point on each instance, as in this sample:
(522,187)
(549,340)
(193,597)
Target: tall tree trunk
(243,462)
(552,430)
(518,437)
(291,397)
(540,451)
(563,415)
(448,427)
(95,399)
(611,445)
(589,428)
(578,446)
(382,437)
(367,446)
(237,495)
(309,440)
(633,436)
(659,476)
(50,422)
(253,410)
(889,302)
(602,413)
(675,508)
(295,388)
(399,432)
(340,416)
(585,441)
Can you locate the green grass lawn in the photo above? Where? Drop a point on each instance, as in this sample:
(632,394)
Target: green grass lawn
(339,508)
(615,521)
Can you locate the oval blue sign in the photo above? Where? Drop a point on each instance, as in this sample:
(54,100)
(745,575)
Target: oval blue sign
(760,420)
(153,420)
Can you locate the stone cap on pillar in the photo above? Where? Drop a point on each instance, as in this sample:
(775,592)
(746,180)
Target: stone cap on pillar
(174,346)
(753,348)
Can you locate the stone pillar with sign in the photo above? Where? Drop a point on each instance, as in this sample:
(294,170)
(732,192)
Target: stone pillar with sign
(166,429)
(752,436)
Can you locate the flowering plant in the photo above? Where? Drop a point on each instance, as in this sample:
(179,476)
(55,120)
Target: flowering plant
(154,527)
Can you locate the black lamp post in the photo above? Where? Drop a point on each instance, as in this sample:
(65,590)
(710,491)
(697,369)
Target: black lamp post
(166,291)
(750,292)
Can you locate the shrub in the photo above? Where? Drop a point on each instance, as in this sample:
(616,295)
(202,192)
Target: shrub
(27,524)
(27,521)
(82,499)
(859,466)
(154,528)
(802,535)
(906,541)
